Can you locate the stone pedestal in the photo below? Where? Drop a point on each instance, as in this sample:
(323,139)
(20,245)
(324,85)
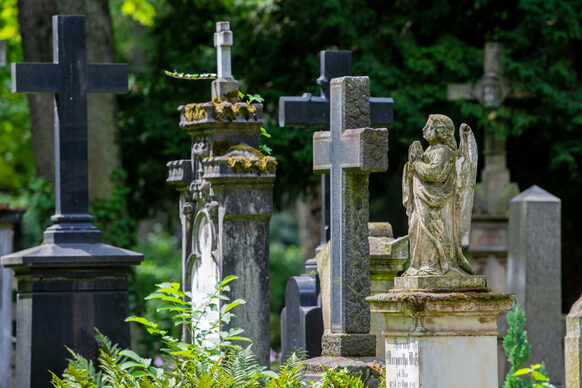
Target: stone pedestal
(573,346)
(440,338)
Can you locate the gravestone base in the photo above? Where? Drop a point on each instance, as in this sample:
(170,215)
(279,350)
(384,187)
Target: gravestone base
(65,291)
(358,366)
(446,339)
(348,344)
(474,283)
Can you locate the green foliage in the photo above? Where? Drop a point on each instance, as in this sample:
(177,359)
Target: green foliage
(111,216)
(142,11)
(211,360)
(339,378)
(517,350)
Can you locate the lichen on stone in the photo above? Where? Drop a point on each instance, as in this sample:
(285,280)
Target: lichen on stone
(243,158)
(220,110)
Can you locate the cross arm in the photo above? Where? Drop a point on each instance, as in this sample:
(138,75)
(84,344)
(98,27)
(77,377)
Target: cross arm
(381,111)
(107,78)
(36,77)
(460,92)
(322,152)
(304,111)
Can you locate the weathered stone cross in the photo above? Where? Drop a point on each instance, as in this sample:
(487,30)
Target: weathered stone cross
(309,111)
(225,87)
(70,78)
(493,193)
(350,151)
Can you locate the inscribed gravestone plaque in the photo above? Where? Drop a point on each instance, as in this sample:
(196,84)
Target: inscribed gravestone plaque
(72,283)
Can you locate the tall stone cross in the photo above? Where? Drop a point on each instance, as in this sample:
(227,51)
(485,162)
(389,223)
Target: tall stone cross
(308,111)
(493,193)
(349,152)
(224,87)
(70,78)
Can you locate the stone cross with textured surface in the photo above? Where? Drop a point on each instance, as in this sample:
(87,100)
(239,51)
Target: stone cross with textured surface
(309,111)
(70,78)
(493,193)
(350,151)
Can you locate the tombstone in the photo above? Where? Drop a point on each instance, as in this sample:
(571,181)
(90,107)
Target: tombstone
(72,283)
(573,346)
(534,274)
(9,217)
(226,200)
(440,318)
(350,151)
(301,324)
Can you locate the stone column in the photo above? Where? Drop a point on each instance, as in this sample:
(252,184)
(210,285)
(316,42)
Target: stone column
(573,346)
(9,216)
(534,274)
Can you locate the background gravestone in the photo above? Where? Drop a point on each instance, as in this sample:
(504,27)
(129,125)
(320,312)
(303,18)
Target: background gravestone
(71,283)
(226,192)
(534,274)
(2,53)
(301,319)
(9,217)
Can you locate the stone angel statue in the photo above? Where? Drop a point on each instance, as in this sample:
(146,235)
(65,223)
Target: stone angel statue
(437,190)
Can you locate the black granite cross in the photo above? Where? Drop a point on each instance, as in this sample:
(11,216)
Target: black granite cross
(309,111)
(70,78)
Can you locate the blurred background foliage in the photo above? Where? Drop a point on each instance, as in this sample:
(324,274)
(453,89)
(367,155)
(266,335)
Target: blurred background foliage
(410,50)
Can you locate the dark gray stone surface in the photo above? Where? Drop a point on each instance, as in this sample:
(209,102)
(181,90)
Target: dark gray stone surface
(534,274)
(2,53)
(73,282)
(351,152)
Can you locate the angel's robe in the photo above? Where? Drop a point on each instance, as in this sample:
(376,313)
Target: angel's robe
(429,197)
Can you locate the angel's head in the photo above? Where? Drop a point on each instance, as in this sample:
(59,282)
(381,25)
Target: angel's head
(440,127)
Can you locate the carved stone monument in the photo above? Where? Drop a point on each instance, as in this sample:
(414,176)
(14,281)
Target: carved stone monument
(438,313)
(350,151)
(301,321)
(73,282)
(226,200)
(573,346)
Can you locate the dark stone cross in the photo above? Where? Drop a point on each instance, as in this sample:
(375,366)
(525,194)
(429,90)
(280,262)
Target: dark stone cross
(309,111)
(70,78)
(493,193)
(72,283)
(350,151)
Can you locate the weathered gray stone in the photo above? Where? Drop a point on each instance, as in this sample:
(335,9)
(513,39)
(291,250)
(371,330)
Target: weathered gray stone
(441,283)
(573,346)
(226,201)
(350,155)
(441,339)
(437,191)
(534,274)
(2,53)
(9,216)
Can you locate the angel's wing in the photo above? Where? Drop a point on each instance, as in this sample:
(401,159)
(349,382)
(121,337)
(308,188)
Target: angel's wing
(466,165)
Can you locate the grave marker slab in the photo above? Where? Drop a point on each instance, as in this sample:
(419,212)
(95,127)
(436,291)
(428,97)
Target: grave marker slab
(534,274)
(72,283)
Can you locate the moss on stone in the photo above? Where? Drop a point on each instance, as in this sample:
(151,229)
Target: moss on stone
(220,110)
(243,158)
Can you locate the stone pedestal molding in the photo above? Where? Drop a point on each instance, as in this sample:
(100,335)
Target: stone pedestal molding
(440,339)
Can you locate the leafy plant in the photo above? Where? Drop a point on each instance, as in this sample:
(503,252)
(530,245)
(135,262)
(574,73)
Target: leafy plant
(517,350)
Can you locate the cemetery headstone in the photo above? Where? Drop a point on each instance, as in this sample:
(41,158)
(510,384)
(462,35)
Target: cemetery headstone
(311,112)
(534,274)
(9,217)
(350,151)
(441,327)
(73,282)
(226,200)
(573,346)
